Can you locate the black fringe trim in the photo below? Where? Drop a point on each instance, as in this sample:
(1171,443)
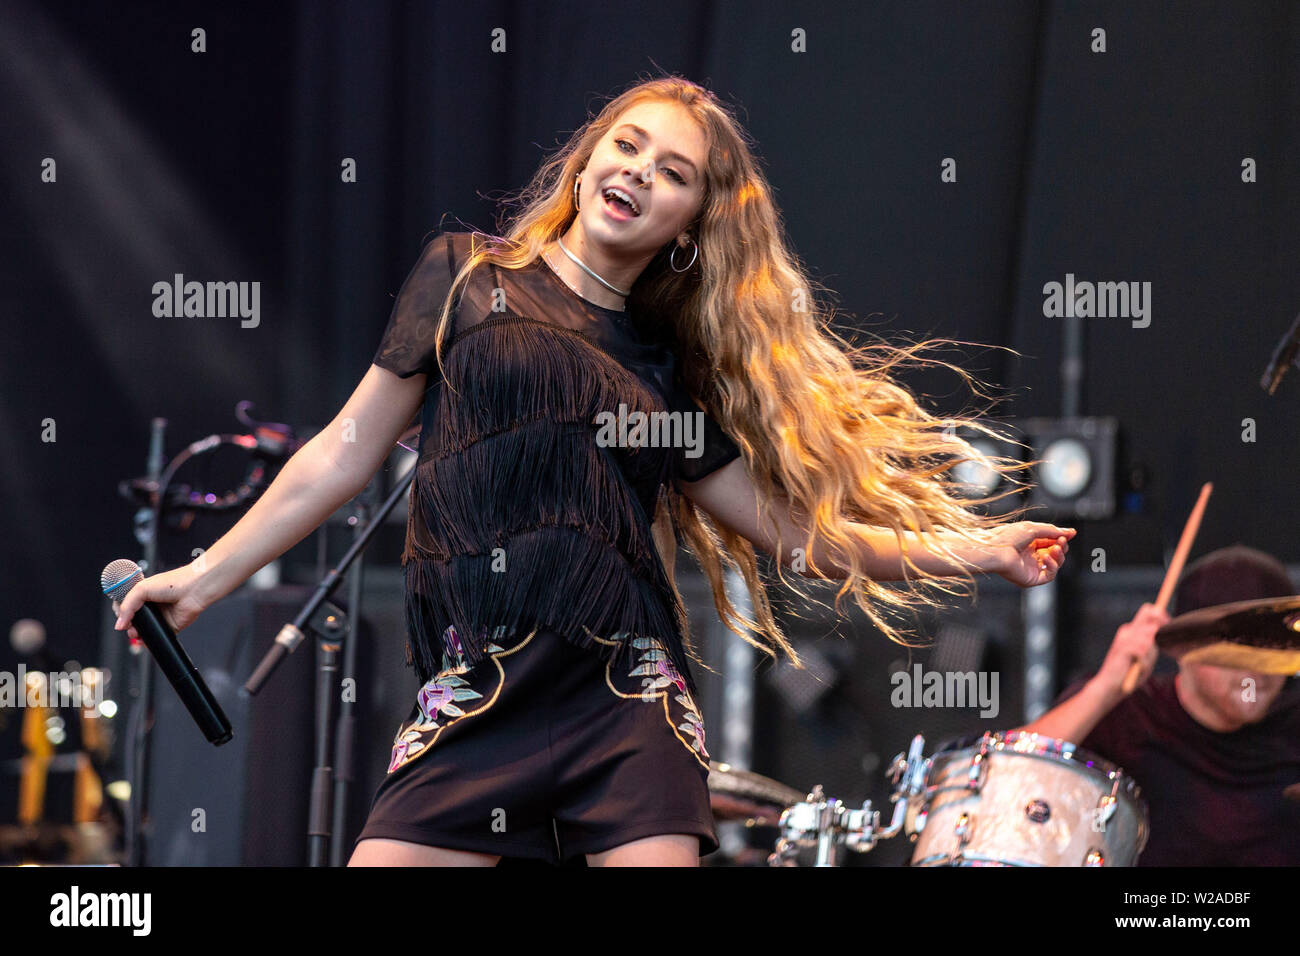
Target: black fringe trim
(542,473)
(556,578)
(512,463)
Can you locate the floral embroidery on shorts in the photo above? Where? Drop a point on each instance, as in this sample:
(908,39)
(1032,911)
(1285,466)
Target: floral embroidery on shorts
(661,680)
(440,698)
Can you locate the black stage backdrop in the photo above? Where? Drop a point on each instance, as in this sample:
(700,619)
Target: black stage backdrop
(1122,165)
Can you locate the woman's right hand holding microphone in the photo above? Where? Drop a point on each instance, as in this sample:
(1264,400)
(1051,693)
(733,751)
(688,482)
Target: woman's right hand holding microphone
(176,593)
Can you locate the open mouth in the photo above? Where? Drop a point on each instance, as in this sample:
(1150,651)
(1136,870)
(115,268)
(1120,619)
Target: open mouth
(620,203)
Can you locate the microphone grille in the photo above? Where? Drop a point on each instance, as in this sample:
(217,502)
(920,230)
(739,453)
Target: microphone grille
(119,577)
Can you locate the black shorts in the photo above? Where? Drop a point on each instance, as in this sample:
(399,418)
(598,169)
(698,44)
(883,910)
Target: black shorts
(543,751)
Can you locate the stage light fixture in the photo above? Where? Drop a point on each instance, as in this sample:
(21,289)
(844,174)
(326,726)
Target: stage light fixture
(1076,477)
(973,479)
(1067,469)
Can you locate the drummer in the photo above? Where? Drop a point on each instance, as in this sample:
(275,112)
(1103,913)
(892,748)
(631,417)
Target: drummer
(1212,748)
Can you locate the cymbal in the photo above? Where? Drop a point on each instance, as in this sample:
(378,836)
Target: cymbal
(743,795)
(1261,636)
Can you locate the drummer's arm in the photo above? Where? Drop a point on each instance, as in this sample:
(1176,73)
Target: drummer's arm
(1074,719)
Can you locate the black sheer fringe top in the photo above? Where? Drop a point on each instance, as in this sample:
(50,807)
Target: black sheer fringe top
(523,512)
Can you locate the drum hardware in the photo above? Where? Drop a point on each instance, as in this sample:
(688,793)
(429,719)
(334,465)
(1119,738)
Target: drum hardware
(827,824)
(973,783)
(962,831)
(978,767)
(1106,807)
(830,825)
(1040,811)
(907,772)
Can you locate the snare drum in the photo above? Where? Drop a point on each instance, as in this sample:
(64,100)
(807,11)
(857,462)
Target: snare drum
(1023,800)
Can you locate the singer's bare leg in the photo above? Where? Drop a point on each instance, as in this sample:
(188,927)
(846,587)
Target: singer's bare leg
(377,852)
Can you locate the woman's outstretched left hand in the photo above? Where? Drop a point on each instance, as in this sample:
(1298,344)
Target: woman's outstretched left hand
(1030,552)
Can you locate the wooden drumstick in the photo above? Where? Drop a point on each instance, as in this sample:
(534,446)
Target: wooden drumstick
(1175,569)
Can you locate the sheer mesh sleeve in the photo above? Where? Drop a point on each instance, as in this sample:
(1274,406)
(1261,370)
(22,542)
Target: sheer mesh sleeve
(408,343)
(715,448)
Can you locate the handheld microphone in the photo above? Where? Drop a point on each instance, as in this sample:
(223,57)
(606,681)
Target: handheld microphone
(117,580)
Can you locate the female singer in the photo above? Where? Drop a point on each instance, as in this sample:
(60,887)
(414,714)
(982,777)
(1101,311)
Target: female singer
(637,354)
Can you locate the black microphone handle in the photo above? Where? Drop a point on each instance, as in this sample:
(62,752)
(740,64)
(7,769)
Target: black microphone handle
(181,673)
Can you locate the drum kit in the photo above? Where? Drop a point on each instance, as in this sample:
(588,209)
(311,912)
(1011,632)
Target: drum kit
(1008,799)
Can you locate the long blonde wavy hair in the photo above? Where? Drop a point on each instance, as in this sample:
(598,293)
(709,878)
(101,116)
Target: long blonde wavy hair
(818,420)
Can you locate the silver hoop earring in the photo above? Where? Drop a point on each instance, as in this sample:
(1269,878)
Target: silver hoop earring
(672,256)
(576,179)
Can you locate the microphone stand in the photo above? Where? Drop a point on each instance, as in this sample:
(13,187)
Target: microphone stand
(321,828)
(343,751)
(148,523)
